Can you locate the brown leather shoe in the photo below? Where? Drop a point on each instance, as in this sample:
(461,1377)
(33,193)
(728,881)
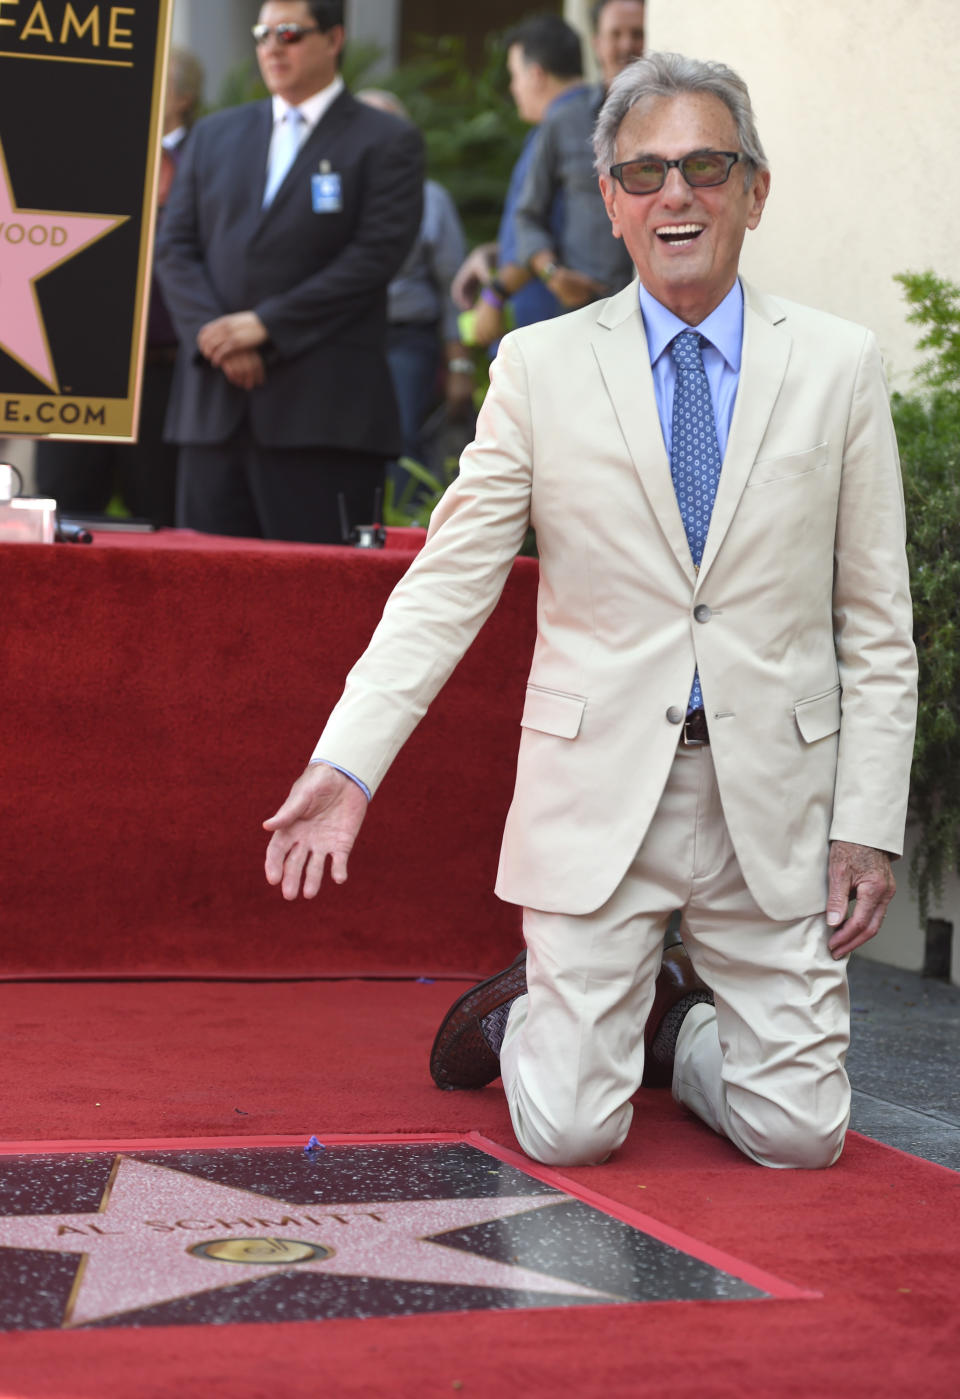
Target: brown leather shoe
(461,1056)
(675,980)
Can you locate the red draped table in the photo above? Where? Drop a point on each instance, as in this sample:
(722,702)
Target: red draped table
(160,692)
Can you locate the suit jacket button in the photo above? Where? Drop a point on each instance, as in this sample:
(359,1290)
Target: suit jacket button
(702,612)
(674,715)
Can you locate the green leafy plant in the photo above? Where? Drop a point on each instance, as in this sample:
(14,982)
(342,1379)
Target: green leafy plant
(412,506)
(469,123)
(935,304)
(928,432)
(417,498)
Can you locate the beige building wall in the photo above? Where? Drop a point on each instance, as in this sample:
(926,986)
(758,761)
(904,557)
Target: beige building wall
(853,101)
(577,13)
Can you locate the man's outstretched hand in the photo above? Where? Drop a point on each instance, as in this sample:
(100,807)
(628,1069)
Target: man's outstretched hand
(320,817)
(862,873)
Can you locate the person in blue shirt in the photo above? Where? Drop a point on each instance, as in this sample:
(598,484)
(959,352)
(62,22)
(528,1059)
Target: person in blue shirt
(579,260)
(545,63)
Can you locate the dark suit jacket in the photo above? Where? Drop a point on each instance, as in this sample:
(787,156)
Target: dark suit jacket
(318,281)
(161,332)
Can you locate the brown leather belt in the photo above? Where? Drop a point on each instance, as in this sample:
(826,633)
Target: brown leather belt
(695,731)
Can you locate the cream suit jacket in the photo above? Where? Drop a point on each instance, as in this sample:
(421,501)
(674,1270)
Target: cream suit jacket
(799,618)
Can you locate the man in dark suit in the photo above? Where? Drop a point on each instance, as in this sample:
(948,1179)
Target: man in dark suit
(284,226)
(83,475)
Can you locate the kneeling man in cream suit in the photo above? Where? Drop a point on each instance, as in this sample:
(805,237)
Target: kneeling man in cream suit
(722,697)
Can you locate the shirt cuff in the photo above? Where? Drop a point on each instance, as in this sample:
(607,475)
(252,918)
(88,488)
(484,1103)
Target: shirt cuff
(352,775)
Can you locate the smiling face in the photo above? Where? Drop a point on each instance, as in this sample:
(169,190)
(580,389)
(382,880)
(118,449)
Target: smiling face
(684,242)
(619,37)
(296,71)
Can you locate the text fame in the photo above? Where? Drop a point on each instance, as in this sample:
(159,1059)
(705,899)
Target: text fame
(98,25)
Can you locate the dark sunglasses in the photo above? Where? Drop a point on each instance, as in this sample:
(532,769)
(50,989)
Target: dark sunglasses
(283,33)
(700,169)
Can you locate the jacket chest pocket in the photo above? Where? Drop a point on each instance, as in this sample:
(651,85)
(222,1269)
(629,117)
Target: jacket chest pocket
(773,469)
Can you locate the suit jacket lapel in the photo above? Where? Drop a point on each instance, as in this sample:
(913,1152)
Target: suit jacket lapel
(766,350)
(620,346)
(258,153)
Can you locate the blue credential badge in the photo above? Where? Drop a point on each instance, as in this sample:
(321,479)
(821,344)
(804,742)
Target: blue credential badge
(325,190)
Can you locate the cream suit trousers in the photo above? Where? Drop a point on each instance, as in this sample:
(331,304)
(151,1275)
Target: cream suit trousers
(765,1068)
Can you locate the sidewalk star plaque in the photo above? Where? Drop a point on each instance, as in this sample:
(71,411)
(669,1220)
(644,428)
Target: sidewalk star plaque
(81,106)
(212,1237)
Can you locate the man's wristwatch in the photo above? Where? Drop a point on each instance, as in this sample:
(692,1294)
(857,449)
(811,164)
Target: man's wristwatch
(548,271)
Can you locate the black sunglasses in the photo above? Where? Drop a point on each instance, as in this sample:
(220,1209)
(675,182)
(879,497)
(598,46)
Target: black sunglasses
(283,33)
(700,169)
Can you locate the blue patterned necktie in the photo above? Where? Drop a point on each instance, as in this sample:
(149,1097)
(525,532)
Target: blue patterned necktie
(284,151)
(695,454)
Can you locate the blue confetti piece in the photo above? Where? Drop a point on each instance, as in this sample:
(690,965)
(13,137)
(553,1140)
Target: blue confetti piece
(425,980)
(314,1145)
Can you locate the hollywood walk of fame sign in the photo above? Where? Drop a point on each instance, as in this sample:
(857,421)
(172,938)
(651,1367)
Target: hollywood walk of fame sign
(257,1234)
(81,106)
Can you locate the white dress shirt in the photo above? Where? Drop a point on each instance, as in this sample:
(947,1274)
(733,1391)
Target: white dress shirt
(311,109)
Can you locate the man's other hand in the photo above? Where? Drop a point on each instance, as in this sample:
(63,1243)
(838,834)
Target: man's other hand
(574,289)
(320,817)
(487,323)
(857,872)
(245,369)
(243,330)
(475,270)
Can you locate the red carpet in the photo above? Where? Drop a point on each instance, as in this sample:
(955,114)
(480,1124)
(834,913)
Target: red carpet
(876,1236)
(158,698)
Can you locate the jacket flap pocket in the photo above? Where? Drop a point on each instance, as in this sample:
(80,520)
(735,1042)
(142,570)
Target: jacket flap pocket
(819,716)
(553,712)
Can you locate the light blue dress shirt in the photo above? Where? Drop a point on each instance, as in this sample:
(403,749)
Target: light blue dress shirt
(723,332)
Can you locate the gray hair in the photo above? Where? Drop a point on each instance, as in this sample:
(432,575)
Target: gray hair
(669,75)
(186,78)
